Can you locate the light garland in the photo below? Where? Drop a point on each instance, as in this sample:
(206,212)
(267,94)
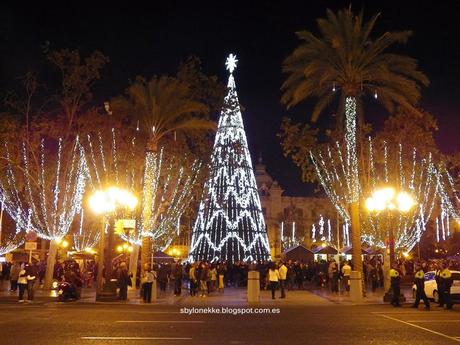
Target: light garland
(330,237)
(85,239)
(424,181)
(55,214)
(294,239)
(350,140)
(169,190)
(9,242)
(165,188)
(230,225)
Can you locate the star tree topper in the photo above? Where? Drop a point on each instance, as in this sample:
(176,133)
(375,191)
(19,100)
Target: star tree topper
(231,62)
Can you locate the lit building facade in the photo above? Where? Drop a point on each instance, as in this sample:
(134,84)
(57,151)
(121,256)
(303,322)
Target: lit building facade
(289,219)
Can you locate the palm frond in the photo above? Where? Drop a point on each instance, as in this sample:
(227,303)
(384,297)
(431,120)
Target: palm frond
(344,54)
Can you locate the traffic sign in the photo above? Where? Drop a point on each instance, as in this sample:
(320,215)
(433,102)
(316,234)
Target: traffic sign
(31,246)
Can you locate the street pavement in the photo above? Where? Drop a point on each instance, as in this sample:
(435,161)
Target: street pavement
(302,318)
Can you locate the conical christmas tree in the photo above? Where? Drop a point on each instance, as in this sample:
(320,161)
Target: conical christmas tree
(230,224)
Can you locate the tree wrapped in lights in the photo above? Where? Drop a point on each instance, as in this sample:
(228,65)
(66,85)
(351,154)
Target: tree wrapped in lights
(403,170)
(162,107)
(449,207)
(345,62)
(114,160)
(42,193)
(85,238)
(166,185)
(9,241)
(168,194)
(230,224)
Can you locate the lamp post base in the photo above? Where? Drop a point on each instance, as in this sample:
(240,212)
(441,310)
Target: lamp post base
(108,292)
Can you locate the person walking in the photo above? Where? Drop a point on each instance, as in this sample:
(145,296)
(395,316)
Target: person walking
(31,275)
(334,277)
(221,273)
(273,278)
(204,280)
(419,281)
(178,279)
(193,279)
(22,282)
(213,278)
(283,270)
(395,285)
(445,283)
(374,276)
(148,278)
(437,278)
(14,275)
(124,280)
(346,271)
(163,277)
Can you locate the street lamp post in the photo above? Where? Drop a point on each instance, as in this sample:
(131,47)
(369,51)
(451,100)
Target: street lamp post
(100,266)
(388,201)
(107,203)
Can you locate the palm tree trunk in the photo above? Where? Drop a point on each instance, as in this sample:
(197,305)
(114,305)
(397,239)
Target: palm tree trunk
(147,198)
(356,238)
(146,252)
(353,174)
(50,262)
(133,259)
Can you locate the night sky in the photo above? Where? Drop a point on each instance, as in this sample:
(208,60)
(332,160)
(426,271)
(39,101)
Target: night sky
(153,39)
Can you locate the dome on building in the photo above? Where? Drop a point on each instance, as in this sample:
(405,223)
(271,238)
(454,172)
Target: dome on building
(263,179)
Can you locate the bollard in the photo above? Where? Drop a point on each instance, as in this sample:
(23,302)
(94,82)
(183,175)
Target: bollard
(253,286)
(154,291)
(356,286)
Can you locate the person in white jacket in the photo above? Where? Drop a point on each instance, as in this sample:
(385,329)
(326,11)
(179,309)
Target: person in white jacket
(22,282)
(273,277)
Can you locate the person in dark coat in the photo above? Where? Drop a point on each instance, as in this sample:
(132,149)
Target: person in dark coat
(445,283)
(163,277)
(178,279)
(204,280)
(419,281)
(32,274)
(14,276)
(374,275)
(395,285)
(124,280)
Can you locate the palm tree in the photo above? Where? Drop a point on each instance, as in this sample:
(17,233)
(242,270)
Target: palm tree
(345,62)
(160,107)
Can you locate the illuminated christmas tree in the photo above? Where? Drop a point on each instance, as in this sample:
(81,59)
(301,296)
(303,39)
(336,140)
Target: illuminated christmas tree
(230,224)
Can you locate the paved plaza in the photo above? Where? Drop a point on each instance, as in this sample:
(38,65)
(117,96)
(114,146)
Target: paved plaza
(304,317)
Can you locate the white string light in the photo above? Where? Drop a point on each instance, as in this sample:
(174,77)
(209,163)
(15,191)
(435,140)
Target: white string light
(230,224)
(424,181)
(54,216)
(87,238)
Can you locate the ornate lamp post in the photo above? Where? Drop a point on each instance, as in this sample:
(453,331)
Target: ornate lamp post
(107,203)
(387,201)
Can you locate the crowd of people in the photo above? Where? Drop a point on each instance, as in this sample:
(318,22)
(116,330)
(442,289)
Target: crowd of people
(203,278)
(22,277)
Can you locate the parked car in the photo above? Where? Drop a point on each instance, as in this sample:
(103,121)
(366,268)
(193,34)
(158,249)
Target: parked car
(431,288)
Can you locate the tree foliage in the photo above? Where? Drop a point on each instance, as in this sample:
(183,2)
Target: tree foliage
(345,57)
(161,106)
